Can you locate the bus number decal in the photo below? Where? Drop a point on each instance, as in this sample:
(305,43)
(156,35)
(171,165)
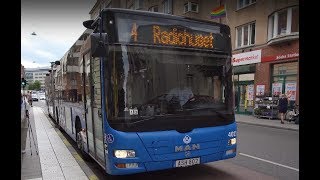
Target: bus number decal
(110,138)
(232,133)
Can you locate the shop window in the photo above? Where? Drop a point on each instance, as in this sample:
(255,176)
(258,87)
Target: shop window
(245,35)
(283,22)
(284,73)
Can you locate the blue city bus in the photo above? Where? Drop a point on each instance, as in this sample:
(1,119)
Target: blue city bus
(154,91)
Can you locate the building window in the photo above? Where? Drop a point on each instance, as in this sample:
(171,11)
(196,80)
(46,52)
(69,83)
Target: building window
(154,9)
(191,7)
(131,6)
(283,22)
(244,3)
(245,35)
(167,6)
(107,4)
(138,4)
(284,73)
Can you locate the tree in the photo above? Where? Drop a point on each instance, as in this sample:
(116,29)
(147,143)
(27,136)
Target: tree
(30,86)
(37,85)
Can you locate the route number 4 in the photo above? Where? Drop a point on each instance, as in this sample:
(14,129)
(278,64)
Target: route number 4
(232,133)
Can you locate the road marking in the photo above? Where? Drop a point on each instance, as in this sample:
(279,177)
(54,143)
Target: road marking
(269,161)
(78,157)
(66,142)
(93,177)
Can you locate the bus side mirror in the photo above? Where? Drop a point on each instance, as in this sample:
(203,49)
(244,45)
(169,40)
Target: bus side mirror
(99,47)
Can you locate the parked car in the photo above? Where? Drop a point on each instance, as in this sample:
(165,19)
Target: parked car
(34,96)
(42,96)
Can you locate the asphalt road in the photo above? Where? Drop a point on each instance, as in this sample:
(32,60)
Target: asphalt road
(263,153)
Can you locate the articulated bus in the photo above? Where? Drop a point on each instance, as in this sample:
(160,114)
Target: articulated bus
(154,92)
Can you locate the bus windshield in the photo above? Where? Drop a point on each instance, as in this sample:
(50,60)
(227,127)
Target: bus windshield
(158,88)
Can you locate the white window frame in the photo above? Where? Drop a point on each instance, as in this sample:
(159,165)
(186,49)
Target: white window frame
(273,23)
(249,35)
(138,4)
(167,10)
(189,4)
(243,5)
(108,4)
(131,6)
(151,9)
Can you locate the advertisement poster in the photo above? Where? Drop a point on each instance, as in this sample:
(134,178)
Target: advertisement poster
(250,92)
(260,90)
(276,89)
(291,89)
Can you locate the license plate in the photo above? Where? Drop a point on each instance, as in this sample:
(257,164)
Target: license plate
(187,162)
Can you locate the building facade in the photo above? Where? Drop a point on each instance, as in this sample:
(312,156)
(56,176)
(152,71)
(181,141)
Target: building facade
(265,41)
(33,74)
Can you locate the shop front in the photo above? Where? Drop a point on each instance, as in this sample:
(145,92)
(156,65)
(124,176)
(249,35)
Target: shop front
(244,67)
(284,76)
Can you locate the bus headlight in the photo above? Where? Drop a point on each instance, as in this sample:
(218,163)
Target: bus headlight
(232,141)
(124,153)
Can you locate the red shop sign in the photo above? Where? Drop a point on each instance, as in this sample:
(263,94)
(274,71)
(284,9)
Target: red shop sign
(280,57)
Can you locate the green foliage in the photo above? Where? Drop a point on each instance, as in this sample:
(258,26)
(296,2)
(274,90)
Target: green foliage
(30,86)
(35,86)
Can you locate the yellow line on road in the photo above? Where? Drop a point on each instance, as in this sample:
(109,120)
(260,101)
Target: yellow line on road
(66,142)
(78,157)
(93,177)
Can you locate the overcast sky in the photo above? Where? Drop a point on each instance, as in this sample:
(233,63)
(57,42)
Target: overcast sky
(58,24)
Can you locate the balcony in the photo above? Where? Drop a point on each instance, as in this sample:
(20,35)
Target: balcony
(283,38)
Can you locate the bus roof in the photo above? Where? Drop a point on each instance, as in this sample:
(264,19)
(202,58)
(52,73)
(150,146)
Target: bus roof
(162,15)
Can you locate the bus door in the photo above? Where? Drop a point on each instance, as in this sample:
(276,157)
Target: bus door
(87,104)
(93,108)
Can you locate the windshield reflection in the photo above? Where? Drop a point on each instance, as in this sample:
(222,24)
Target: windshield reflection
(147,82)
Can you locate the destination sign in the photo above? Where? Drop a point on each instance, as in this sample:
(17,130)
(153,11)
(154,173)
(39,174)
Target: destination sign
(171,35)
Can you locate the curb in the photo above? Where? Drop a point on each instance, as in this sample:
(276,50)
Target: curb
(266,125)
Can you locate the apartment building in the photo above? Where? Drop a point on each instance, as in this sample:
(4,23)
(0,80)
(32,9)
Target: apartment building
(33,74)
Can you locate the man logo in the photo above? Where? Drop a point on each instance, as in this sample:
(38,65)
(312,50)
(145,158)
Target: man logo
(187,139)
(190,147)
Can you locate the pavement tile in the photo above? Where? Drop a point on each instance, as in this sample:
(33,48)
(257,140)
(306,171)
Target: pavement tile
(73,171)
(54,171)
(56,160)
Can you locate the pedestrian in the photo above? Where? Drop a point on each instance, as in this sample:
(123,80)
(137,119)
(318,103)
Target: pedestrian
(30,99)
(283,106)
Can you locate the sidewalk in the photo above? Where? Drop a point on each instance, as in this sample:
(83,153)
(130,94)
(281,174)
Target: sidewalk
(275,123)
(56,161)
